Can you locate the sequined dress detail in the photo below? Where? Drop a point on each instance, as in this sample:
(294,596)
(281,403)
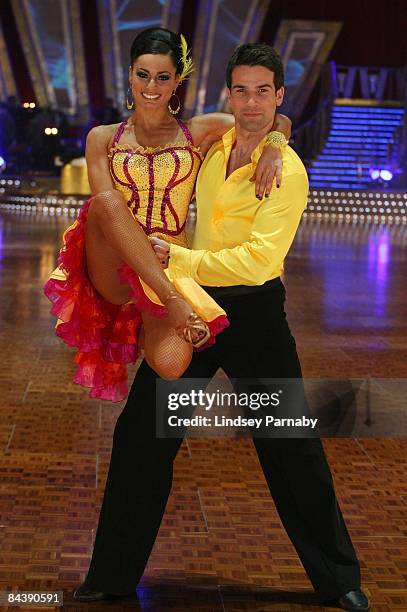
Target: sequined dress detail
(157,182)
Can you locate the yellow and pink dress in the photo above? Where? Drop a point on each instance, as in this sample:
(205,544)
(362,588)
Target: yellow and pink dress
(158,184)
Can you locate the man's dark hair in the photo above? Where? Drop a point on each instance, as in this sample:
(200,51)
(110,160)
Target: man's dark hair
(257,54)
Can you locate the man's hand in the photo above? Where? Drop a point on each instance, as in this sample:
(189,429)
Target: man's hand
(269,167)
(162,250)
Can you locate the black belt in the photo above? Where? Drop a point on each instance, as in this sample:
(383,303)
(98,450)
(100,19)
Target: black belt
(242,289)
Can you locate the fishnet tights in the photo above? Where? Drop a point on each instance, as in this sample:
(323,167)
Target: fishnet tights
(165,352)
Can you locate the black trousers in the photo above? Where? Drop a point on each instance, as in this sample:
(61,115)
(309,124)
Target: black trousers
(258,343)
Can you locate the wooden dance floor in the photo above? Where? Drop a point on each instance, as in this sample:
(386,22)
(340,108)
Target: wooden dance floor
(221,546)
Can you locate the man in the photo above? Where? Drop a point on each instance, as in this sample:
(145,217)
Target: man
(238,255)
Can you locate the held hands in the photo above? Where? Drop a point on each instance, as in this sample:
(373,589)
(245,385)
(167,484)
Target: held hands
(269,167)
(162,250)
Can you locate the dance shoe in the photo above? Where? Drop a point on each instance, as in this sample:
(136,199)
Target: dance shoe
(353,601)
(86,595)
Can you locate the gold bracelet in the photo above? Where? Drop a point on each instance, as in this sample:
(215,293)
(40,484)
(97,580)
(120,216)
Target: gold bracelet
(277,139)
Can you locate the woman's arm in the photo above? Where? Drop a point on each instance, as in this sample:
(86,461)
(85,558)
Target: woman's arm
(282,124)
(96,159)
(270,164)
(207,129)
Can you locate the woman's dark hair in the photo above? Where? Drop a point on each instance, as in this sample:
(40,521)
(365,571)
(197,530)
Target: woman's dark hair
(257,54)
(158,41)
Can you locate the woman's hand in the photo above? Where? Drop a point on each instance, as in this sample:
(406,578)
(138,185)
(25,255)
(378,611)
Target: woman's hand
(270,164)
(162,250)
(269,167)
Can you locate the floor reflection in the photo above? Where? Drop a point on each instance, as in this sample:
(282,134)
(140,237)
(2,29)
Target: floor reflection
(221,545)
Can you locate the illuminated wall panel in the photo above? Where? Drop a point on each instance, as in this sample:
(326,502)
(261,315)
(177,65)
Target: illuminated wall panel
(47,23)
(120,21)
(51,35)
(33,54)
(304,47)
(222,25)
(7,83)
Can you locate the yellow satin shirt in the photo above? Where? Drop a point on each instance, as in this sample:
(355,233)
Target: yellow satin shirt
(240,240)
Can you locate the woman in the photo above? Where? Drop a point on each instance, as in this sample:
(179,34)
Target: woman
(142,174)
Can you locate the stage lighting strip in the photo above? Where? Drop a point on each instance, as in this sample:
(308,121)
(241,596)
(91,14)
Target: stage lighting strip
(363,205)
(10,183)
(50,205)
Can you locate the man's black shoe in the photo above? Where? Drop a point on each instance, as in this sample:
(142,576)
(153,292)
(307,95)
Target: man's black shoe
(84,594)
(353,601)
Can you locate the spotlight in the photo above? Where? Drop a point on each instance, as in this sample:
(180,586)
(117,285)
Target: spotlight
(47,131)
(32,104)
(374,173)
(2,163)
(386,175)
(26,105)
(54,131)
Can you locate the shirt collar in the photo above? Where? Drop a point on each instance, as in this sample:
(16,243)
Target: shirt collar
(229,138)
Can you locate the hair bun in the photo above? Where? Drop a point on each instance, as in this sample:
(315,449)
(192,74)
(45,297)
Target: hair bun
(158,41)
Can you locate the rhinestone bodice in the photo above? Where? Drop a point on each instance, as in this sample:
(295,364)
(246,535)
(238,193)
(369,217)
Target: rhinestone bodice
(158,183)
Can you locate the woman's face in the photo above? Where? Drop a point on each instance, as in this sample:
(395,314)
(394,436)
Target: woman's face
(152,80)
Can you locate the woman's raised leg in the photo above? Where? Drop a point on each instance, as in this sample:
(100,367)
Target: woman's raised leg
(113,236)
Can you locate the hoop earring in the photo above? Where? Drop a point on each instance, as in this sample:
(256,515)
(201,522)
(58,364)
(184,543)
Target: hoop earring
(129,105)
(174,111)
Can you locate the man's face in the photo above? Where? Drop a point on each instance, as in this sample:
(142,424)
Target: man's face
(253,97)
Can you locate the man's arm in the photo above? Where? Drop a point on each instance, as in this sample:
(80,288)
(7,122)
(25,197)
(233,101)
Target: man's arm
(251,263)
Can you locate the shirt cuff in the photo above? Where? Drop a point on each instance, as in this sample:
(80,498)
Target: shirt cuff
(179,264)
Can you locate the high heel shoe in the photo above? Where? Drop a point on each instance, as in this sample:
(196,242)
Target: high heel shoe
(194,324)
(195,331)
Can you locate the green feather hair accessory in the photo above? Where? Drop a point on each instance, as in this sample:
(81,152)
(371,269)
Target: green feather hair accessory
(187,64)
